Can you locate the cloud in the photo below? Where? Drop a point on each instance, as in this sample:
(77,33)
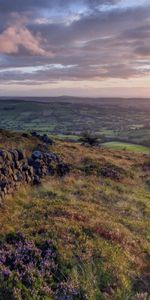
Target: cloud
(17,36)
(28,5)
(97,44)
(143,50)
(13,37)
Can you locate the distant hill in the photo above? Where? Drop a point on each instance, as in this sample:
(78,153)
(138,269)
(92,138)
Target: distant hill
(138,102)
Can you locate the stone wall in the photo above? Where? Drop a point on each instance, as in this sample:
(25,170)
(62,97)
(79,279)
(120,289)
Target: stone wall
(16,169)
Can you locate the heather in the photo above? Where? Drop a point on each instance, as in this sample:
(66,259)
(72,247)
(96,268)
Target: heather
(84,235)
(31,271)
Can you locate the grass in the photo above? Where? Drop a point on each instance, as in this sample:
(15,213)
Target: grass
(99,225)
(127,147)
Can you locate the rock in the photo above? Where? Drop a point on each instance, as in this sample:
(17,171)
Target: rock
(36,180)
(19,176)
(34,133)
(43,138)
(51,171)
(46,139)
(29,162)
(15,155)
(3,154)
(37,163)
(52,157)
(37,155)
(20,154)
(15,169)
(3,184)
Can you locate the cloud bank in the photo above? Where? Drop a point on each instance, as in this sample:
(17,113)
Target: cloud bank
(51,41)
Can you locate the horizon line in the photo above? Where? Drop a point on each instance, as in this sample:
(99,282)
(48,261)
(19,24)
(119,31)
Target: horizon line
(81,97)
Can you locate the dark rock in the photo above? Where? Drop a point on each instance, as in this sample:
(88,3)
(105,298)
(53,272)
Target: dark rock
(37,155)
(20,154)
(3,184)
(37,163)
(3,154)
(43,138)
(51,171)
(36,180)
(15,155)
(29,162)
(46,139)
(34,133)
(52,157)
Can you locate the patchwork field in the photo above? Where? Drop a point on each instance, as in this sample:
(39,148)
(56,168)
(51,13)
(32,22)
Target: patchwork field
(112,120)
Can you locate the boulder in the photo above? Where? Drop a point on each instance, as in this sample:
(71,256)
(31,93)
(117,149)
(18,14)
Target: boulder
(37,155)
(36,180)
(46,140)
(43,138)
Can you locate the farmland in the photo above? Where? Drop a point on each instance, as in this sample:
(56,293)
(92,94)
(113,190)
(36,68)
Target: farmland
(111,120)
(126,146)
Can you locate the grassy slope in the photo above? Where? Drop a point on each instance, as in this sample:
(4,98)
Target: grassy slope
(127,146)
(99,226)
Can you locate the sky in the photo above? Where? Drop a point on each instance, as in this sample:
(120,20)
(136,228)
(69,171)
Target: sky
(98,48)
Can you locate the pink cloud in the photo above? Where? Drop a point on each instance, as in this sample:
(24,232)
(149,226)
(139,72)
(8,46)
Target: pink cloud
(15,36)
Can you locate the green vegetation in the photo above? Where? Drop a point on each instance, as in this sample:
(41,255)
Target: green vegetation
(96,217)
(87,138)
(127,146)
(125,121)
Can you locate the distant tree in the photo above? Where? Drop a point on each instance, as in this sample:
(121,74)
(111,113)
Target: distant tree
(87,138)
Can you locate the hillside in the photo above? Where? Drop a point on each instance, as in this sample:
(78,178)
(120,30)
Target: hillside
(85,235)
(111,119)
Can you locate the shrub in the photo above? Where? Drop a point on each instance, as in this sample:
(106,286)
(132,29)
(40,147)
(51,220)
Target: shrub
(146,165)
(90,139)
(112,171)
(89,166)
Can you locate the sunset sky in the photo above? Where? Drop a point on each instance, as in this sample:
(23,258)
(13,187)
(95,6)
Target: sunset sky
(75,47)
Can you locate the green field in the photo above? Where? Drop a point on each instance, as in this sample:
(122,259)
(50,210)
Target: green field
(127,146)
(109,120)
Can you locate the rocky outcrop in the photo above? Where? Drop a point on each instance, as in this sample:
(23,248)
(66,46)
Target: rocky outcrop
(16,169)
(43,138)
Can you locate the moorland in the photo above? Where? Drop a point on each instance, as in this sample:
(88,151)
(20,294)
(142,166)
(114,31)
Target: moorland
(84,235)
